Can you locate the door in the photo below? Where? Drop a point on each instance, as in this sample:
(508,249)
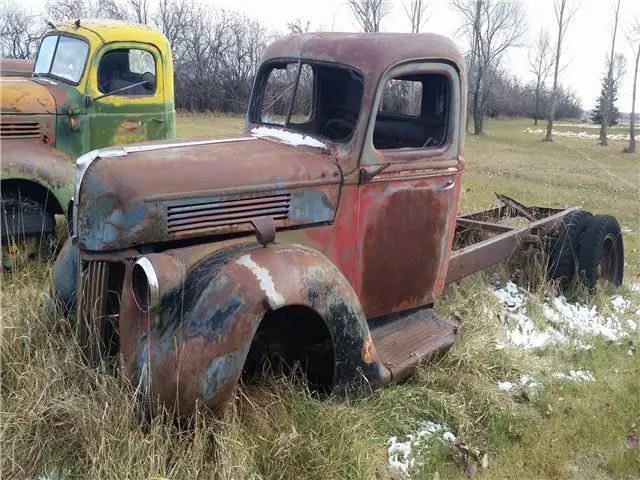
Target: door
(130,75)
(409,189)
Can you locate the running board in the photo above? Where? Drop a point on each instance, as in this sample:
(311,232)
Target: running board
(404,340)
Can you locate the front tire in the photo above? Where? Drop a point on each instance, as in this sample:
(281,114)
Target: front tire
(27,230)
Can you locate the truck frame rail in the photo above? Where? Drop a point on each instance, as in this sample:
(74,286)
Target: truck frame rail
(505,240)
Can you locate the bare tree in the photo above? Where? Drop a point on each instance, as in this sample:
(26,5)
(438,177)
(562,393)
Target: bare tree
(540,65)
(172,19)
(139,10)
(20,31)
(492,26)
(607,106)
(634,40)
(564,13)
(59,10)
(369,13)
(416,13)
(113,9)
(299,26)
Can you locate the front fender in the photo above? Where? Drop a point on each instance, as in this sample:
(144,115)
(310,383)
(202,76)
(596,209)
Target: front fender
(34,161)
(195,351)
(64,278)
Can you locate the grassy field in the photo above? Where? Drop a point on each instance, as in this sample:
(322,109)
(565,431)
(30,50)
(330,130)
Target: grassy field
(62,420)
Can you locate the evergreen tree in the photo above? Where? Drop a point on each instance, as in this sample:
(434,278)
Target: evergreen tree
(609,92)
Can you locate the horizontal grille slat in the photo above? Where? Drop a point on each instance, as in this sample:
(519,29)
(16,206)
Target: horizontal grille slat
(200,216)
(19,129)
(228,217)
(252,202)
(228,211)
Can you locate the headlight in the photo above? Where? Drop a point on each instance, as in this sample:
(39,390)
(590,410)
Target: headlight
(144,284)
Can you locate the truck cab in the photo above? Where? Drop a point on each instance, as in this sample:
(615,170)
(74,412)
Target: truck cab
(318,237)
(94,83)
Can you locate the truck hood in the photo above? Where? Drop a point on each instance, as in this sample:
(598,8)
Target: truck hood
(24,96)
(167,191)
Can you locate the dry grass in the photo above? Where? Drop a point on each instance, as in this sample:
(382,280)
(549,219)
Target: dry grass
(64,420)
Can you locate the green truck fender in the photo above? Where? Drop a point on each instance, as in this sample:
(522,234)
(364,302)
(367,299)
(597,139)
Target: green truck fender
(38,171)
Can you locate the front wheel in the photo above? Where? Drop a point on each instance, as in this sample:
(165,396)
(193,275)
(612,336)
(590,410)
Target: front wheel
(602,252)
(27,230)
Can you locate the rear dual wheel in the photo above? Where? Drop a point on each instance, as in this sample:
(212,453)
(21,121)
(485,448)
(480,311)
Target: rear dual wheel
(589,248)
(602,252)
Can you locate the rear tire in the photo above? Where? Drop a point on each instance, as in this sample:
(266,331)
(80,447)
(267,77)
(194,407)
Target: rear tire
(565,249)
(602,252)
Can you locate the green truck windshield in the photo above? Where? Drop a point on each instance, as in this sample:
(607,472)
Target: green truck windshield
(62,57)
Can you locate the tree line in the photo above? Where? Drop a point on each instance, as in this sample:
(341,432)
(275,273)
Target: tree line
(217,52)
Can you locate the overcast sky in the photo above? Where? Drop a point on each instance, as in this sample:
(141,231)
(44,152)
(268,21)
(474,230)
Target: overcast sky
(587,41)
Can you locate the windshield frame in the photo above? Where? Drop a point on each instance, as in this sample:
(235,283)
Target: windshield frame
(53,57)
(257,95)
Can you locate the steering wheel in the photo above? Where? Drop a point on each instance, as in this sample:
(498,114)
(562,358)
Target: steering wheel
(338,129)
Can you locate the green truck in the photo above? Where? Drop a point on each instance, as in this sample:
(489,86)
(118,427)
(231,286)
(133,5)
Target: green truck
(94,83)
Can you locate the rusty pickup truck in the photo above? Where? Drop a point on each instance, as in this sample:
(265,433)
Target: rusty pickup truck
(320,238)
(94,83)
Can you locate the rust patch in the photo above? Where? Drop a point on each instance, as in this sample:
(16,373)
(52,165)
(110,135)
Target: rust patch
(404,238)
(368,350)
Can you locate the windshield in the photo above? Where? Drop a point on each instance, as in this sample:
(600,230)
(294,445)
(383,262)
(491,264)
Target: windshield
(312,98)
(62,57)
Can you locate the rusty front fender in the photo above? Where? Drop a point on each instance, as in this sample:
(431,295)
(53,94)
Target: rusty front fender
(195,350)
(36,163)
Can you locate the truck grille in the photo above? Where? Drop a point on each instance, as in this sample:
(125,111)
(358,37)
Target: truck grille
(195,217)
(13,129)
(98,307)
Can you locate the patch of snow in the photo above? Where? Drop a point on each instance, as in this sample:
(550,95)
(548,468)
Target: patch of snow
(576,376)
(583,320)
(506,386)
(635,287)
(291,138)
(526,381)
(512,297)
(625,230)
(583,125)
(620,304)
(563,318)
(448,437)
(400,452)
(583,135)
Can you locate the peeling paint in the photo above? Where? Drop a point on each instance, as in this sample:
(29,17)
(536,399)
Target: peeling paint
(266,281)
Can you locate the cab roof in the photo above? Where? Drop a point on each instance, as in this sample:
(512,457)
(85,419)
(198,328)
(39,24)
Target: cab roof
(371,53)
(109,31)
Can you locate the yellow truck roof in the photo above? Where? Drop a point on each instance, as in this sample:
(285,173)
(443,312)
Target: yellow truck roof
(115,30)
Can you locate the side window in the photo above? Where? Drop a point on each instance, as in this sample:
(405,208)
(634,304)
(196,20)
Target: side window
(413,112)
(280,90)
(125,67)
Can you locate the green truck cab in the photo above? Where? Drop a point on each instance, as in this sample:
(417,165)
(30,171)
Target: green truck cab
(94,83)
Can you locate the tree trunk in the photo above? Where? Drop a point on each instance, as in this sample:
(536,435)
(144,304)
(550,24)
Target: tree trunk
(608,104)
(475,53)
(535,118)
(552,108)
(632,123)
(477,108)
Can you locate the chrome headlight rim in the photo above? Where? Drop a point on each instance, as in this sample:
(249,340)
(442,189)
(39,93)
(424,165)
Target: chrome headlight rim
(143,271)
